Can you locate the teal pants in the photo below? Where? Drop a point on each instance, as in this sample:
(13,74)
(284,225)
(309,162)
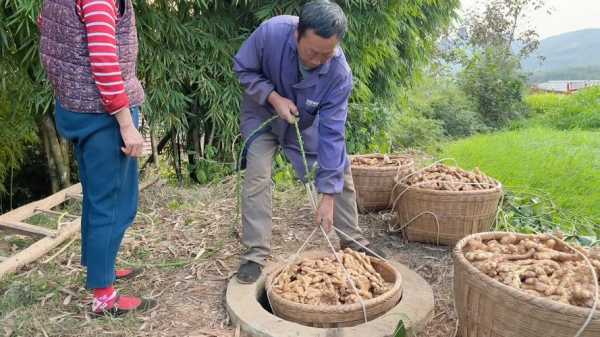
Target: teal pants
(110,188)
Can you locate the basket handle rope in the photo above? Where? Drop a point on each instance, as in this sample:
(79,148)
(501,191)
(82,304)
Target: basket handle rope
(311,196)
(393,229)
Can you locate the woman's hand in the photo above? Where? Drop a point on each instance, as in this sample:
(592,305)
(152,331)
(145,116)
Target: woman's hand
(132,139)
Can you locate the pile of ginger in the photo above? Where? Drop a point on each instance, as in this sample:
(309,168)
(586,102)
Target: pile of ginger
(538,265)
(441,177)
(322,281)
(381,161)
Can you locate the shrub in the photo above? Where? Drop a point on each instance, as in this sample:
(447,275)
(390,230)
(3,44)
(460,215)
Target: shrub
(493,80)
(414,131)
(578,111)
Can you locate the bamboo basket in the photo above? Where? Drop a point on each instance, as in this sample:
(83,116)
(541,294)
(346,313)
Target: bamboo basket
(445,216)
(488,308)
(334,316)
(374,185)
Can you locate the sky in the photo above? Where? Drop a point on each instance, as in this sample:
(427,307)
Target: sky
(567,16)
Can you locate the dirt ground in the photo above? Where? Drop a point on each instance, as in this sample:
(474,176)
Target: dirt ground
(183,239)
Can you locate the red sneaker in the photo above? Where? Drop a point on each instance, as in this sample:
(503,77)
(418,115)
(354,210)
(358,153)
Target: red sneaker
(125,273)
(116,305)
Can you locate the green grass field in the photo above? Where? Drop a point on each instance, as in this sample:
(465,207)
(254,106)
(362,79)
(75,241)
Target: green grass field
(564,164)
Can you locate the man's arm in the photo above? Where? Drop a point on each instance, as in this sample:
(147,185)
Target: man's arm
(248,66)
(332,141)
(332,150)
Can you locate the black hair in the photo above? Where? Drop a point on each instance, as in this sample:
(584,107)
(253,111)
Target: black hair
(325,18)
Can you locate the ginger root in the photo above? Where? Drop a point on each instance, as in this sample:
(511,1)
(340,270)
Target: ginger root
(538,265)
(323,281)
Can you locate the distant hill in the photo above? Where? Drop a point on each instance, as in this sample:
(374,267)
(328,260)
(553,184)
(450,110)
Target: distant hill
(568,56)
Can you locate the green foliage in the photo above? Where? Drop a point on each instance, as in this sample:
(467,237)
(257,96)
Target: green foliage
(17,131)
(185,62)
(186,53)
(578,111)
(284,175)
(540,103)
(368,127)
(535,212)
(493,80)
(415,131)
(562,163)
(441,99)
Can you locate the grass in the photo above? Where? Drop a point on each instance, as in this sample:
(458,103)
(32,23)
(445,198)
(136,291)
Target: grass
(564,112)
(563,164)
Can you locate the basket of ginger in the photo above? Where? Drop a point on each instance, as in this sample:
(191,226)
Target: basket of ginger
(374,175)
(316,291)
(518,285)
(443,204)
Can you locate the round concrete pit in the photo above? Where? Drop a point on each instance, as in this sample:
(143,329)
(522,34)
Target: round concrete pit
(245,308)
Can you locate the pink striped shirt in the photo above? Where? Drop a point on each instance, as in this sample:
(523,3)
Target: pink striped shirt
(100,17)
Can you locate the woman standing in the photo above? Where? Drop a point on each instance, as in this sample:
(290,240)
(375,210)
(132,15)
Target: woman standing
(89,50)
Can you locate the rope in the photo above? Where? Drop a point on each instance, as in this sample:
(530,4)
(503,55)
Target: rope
(310,192)
(393,229)
(348,277)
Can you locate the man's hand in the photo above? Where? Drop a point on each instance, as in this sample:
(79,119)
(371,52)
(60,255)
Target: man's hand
(285,108)
(324,214)
(131,136)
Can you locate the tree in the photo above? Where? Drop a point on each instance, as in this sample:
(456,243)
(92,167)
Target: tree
(505,23)
(185,64)
(24,83)
(186,61)
(494,81)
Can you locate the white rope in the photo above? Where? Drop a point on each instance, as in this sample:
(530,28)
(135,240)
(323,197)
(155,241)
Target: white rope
(348,277)
(437,224)
(360,245)
(289,262)
(293,258)
(310,191)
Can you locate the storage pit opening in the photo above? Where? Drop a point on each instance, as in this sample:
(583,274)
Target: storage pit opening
(248,309)
(263,300)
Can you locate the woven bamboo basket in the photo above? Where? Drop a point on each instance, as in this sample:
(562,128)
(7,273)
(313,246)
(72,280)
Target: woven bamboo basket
(332,316)
(445,217)
(488,308)
(374,184)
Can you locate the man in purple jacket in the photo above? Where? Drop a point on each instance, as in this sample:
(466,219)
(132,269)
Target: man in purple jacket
(293,67)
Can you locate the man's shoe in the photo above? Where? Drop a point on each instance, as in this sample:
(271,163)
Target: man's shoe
(249,272)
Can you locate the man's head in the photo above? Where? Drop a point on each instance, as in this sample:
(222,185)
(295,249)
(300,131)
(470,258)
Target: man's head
(322,26)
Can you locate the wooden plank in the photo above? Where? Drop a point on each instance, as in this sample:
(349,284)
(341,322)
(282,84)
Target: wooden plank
(77,196)
(28,210)
(43,246)
(25,228)
(39,248)
(51,212)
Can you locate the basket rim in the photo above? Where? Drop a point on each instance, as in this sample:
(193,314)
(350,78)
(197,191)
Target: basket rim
(496,189)
(541,302)
(396,287)
(409,162)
